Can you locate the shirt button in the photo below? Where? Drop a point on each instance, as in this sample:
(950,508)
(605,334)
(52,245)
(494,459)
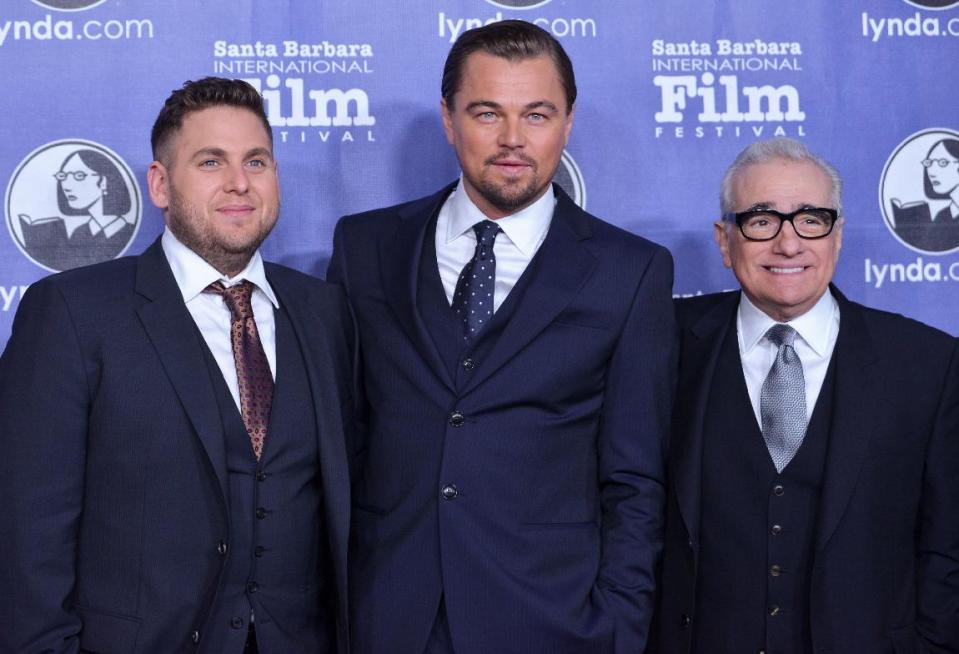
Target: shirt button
(774,610)
(236,623)
(468,364)
(457,419)
(775,570)
(221,548)
(450,492)
(261,476)
(775,530)
(252,587)
(260,513)
(778,490)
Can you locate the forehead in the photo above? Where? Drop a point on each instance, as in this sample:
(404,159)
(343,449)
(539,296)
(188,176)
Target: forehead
(223,127)
(529,77)
(783,185)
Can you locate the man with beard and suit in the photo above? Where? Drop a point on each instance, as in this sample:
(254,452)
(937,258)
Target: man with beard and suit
(174,469)
(517,362)
(813,494)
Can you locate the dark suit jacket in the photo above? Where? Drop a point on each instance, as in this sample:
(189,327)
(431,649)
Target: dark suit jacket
(113,471)
(885,575)
(551,541)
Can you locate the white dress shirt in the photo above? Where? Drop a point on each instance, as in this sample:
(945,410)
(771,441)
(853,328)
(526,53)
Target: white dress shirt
(817,331)
(523,233)
(209,311)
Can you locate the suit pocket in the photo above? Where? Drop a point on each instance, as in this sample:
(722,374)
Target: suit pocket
(904,640)
(107,633)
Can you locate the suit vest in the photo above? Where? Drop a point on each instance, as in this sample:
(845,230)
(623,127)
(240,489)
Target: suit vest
(277,561)
(757,525)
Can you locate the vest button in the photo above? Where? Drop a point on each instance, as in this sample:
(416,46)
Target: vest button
(775,530)
(468,364)
(252,587)
(258,551)
(261,476)
(774,610)
(195,636)
(778,490)
(457,419)
(221,548)
(260,513)
(236,623)
(775,570)
(450,492)
(685,621)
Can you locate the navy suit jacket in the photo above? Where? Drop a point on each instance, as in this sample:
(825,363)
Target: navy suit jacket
(112,471)
(885,574)
(552,538)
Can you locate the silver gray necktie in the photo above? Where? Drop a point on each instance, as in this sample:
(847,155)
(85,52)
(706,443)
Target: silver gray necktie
(782,402)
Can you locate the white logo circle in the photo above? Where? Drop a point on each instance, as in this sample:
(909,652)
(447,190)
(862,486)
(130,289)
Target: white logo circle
(919,191)
(570,179)
(68,5)
(71,203)
(935,5)
(518,4)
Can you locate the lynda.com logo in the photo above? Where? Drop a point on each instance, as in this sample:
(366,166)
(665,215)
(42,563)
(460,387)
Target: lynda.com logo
(68,5)
(518,4)
(570,179)
(933,4)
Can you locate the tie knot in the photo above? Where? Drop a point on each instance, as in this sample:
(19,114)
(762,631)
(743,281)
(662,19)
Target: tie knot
(237,298)
(486,231)
(780,335)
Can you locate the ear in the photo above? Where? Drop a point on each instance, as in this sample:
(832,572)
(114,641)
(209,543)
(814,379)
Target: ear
(838,228)
(721,236)
(447,114)
(158,183)
(569,124)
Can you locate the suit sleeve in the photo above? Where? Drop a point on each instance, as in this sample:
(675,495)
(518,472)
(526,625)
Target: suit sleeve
(937,620)
(336,273)
(632,442)
(43,430)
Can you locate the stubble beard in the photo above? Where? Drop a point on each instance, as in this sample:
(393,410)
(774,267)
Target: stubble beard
(510,196)
(191,228)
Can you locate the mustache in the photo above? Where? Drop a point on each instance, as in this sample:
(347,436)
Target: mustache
(526,159)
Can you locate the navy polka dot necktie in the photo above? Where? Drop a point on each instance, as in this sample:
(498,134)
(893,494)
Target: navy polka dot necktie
(473,297)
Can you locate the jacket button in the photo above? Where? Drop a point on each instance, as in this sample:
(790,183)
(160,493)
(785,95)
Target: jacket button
(775,570)
(450,492)
(774,610)
(778,490)
(775,530)
(261,476)
(252,587)
(468,364)
(685,621)
(195,636)
(457,419)
(260,513)
(236,623)
(221,548)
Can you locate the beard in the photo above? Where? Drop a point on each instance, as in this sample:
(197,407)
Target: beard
(513,195)
(197,231)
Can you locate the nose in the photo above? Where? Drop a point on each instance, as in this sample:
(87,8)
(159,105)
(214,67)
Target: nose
(511,134)
(237,180)
(788,242)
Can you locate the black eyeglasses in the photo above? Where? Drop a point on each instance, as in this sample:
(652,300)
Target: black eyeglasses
(765,224)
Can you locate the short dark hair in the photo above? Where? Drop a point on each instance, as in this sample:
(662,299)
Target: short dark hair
(203,94)
(512,40)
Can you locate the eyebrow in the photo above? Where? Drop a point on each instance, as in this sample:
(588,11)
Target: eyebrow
(768,206)
(491,104)
(221,153)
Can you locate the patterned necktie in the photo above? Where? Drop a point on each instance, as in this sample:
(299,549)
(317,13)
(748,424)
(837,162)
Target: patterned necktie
(782,402)
(473,297)
(252,368)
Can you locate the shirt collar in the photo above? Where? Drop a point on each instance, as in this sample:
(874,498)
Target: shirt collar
(814,327)
(193,274)
(525,228)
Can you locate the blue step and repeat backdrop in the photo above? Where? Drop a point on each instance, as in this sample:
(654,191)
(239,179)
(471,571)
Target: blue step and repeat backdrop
(670,91)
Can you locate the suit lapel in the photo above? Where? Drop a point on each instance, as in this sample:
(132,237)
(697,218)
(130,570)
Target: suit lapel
(853,415)
(171,329)
(700,351)
(400,253)
(561,267)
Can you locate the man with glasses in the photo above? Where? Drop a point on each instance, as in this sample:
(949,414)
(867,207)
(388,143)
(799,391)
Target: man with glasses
(814,493)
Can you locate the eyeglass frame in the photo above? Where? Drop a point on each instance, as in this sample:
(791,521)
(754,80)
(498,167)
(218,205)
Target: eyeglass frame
(61,176)
(943,162)
(741,216)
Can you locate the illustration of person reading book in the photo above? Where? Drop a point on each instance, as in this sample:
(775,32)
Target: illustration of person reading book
(915,223)
(92,198)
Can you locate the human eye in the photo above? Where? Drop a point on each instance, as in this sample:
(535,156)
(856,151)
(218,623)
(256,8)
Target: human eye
(537,117)
(208,163)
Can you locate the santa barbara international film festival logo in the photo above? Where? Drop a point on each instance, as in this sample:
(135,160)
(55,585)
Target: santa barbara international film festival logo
(71,203)
(919,191)
(570,179)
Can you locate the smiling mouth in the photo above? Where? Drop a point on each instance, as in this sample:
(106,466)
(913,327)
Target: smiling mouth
(792,270)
